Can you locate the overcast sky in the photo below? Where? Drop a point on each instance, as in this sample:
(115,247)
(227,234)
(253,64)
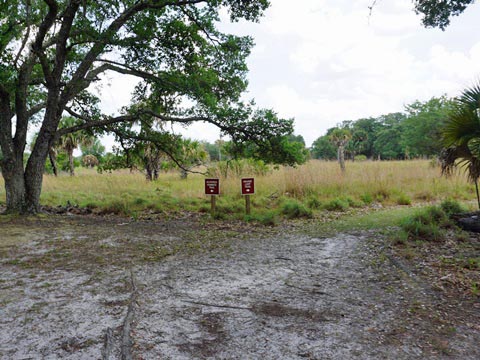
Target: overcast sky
(325,61)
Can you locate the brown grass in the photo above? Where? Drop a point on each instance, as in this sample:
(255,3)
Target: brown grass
(386,182)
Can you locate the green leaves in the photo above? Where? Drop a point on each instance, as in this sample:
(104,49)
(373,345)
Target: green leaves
(463,123)
(422,129)
(437,13)
(52,52)
(461,135)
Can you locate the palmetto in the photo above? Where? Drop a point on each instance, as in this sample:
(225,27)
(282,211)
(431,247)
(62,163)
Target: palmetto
(71,141)
(461,137)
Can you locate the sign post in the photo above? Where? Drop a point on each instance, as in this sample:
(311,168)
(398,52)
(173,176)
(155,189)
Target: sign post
(212,188)
(248,188)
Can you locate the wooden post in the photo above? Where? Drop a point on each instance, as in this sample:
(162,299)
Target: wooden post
(212,188)
(213,204)
(247,204)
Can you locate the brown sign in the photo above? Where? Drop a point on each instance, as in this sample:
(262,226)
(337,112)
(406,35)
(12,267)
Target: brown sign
(212,186)
(248,186)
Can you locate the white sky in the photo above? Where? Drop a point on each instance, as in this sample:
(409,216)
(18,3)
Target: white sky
(325,61)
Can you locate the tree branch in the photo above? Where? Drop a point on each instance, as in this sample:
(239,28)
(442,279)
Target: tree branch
(36,108)
(215,42)
(113,28)
(127,70)
(27,35)
(90,123)
(63,35)
(46,24)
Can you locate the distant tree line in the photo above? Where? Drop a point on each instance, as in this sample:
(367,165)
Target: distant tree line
(414,133)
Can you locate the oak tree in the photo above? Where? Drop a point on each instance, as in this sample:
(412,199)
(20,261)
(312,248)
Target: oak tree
(437,13)
(53,52)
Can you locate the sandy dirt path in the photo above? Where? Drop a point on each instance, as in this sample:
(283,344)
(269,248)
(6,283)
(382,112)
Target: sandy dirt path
(282,296)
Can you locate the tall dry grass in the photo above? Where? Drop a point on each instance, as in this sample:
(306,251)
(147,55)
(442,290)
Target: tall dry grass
(382,180)
(386,182)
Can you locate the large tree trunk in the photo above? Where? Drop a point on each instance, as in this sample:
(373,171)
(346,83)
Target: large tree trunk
(23,188)
(36,162)
(34,179)
(15,191)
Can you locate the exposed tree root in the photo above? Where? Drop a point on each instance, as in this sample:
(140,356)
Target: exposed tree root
(107,344)
(126,340)
(218,306)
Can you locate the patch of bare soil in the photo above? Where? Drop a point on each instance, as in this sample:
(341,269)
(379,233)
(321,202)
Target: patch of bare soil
(98,288)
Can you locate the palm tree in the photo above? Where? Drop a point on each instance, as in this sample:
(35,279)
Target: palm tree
(71,141)
(340,138)
(192,154)
(461,137)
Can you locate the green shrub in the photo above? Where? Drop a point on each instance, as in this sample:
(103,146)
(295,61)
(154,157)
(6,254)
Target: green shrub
(314,203)
(336,205)
(403,199)
(118,207)
(427,224)
(451,207)
(139,201)
(352,202)
(381,195)
(366,198)
(293,209)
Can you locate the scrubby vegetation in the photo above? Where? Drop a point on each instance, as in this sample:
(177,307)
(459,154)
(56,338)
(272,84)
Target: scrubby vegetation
(291,192)
(448,255)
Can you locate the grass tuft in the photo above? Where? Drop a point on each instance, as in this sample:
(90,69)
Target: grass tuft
(452,207)
(336,204)
(293,209)
(427,224)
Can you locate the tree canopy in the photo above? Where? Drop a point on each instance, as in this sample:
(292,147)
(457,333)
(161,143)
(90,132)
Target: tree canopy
(416,132)
(53,52)
(437,13)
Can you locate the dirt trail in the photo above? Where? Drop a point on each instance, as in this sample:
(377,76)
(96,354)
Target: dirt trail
(285,296)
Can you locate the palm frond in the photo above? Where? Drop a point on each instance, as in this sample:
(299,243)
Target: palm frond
(460,157)
(462,125)
(471,97)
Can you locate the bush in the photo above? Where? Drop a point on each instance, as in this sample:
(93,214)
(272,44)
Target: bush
(366,198)
(381,195)
(427,224)
(293,209)
(352,202)
(314,203)
(336,205)
(90,161)
(403,199)
(451,207)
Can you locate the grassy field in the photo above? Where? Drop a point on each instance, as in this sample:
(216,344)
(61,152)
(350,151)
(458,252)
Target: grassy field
(293,192)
